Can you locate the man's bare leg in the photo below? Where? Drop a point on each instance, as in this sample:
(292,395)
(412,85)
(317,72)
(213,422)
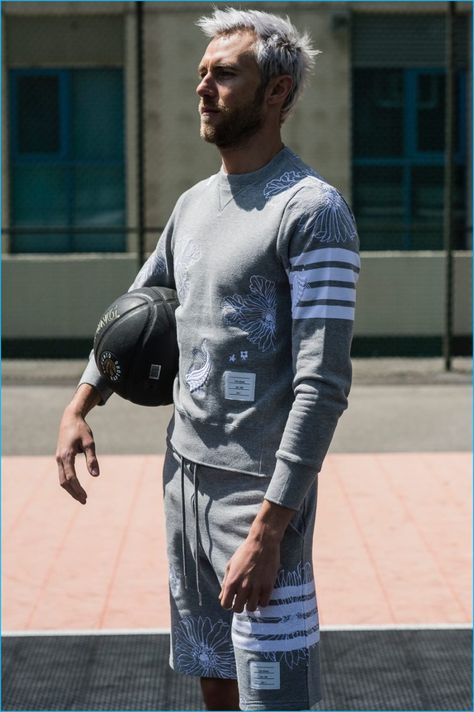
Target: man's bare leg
(220,694)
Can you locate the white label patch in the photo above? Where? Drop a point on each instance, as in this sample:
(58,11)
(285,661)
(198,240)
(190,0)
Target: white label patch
(239,385)
(264,676)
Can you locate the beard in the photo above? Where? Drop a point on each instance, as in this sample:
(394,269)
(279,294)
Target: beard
(236,125)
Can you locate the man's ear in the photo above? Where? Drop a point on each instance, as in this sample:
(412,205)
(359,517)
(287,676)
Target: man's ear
(278,89)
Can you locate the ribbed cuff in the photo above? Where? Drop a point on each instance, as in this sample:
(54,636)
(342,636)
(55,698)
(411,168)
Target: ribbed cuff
(93,377)
(290,483)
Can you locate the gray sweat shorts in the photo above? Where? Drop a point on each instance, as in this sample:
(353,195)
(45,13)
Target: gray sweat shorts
(272,651)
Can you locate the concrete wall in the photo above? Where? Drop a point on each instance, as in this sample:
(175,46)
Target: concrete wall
(62,296)
(400,294)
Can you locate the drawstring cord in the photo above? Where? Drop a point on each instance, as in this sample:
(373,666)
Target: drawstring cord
(193,468)
(196,533)
(183,527)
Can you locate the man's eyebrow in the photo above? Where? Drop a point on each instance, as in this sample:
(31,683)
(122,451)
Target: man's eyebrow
(219,65)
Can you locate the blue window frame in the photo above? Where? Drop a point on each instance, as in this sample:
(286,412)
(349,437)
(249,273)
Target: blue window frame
(398,164)
(67,159)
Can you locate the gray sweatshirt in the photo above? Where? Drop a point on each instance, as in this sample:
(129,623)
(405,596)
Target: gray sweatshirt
(265,266)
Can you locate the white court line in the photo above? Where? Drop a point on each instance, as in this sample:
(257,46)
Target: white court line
(400,626)
(85,631)
(166,631)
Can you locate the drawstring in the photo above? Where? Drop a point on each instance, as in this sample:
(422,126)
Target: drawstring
(196,533)
(183,527)
(192,468)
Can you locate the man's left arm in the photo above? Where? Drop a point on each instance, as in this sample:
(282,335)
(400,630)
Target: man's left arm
(322,266)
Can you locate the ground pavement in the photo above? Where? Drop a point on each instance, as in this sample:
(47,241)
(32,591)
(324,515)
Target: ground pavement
(392,541)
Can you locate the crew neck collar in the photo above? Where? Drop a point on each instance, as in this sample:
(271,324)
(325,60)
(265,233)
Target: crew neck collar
(242,179)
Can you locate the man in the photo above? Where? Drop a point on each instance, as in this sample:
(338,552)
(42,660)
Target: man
(263,256)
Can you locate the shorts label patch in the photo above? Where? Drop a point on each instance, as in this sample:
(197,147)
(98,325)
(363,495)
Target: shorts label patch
(264,676)
(239,385)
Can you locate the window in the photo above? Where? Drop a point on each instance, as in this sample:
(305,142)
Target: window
(398,166)
(398,127)
(67,160)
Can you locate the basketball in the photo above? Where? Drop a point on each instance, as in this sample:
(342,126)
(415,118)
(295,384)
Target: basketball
(136,348)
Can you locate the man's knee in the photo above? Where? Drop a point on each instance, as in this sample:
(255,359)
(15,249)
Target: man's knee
(220,694)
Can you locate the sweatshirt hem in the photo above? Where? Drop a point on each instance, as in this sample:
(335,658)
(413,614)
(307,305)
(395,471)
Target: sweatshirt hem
(210,446)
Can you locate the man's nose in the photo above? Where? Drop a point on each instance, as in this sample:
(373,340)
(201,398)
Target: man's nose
(206,86)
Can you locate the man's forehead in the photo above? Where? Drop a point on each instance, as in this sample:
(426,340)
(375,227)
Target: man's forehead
(236,48)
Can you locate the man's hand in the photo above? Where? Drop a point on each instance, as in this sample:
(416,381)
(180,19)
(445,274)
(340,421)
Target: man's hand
(252,570)
(250,576)
(75,436)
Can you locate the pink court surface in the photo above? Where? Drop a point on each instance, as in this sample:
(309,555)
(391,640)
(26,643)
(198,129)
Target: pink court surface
(392,544)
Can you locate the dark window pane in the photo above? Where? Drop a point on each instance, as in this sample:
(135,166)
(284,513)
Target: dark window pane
(97,114)
(99,201)
(378,112)
(428,207)
(39,195)
(378,207)
(430,112)
(38,114)
(39,199)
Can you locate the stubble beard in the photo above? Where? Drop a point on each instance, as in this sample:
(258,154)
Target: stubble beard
(236,126)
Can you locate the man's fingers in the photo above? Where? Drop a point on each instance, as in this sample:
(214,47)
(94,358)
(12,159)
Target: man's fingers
(74,487)
(72,490)
(264,597)
(241,599)
(253,600)
(227,595)
(62,476)
(91,459)
(68,479)
(223,584)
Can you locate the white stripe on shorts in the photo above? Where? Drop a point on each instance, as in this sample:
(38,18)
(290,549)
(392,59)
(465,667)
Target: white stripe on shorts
(295,624)
(290,625)
(274,646)
(283,592)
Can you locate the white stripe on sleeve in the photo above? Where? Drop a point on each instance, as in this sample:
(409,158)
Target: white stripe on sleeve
(326,274)
(323,311)
(327,254)
(326,292)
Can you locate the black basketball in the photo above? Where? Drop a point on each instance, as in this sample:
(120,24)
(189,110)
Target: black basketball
(136,348)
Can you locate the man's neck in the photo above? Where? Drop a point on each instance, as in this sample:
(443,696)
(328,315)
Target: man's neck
(254,154)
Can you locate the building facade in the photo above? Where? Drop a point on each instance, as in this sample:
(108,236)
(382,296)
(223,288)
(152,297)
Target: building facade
(372,121)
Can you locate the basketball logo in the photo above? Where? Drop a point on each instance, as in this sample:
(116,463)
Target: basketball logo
(110,366)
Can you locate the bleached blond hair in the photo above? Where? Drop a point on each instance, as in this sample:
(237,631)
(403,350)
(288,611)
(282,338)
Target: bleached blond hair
(279,47)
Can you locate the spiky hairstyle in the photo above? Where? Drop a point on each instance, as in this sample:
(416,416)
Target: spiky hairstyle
(279,47)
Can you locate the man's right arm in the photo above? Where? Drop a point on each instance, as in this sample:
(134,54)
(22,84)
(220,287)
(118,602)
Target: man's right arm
(75,436)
